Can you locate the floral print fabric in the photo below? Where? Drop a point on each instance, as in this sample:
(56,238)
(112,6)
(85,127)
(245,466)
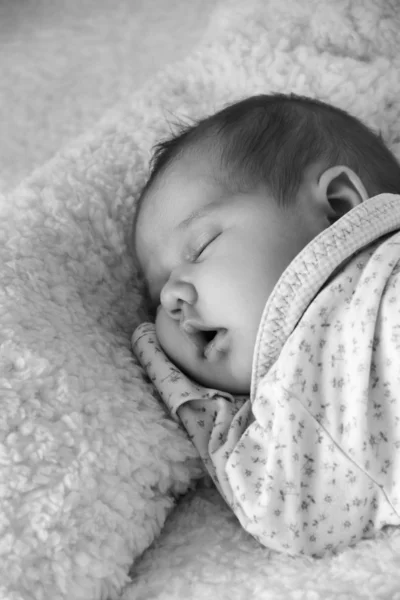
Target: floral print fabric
(311,462)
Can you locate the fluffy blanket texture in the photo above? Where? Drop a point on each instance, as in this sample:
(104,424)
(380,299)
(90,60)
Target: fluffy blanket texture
(90,463)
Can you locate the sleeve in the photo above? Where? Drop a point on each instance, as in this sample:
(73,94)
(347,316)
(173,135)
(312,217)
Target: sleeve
(214,420)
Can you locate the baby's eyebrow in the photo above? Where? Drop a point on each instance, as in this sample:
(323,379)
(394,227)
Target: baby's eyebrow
(197,214)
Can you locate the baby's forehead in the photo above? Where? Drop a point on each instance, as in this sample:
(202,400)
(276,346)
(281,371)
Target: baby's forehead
(180,188)
(194,163)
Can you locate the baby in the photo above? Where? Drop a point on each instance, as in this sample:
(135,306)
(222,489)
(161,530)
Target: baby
(267,238)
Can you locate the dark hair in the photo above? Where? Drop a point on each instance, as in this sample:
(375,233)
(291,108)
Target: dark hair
(269,140)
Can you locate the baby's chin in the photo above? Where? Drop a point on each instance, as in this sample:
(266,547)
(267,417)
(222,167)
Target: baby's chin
(218,377)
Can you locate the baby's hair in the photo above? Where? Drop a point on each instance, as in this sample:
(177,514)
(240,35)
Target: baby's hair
(270,140)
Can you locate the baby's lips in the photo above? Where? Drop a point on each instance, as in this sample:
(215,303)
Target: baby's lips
(188,328)
(214,349)
(192,334)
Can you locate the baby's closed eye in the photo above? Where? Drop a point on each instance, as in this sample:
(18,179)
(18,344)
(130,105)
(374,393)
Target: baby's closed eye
(201,245)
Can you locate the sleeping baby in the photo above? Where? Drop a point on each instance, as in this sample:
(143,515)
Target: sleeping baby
(268,237)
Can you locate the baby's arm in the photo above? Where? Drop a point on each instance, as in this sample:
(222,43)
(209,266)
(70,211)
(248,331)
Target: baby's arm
(214,420)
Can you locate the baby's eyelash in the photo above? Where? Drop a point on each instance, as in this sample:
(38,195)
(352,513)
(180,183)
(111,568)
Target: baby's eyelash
(201,247)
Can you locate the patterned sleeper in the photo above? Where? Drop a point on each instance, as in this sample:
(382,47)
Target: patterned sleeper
(310,463)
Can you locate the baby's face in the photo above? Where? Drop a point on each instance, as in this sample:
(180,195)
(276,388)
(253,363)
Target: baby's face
(211,262)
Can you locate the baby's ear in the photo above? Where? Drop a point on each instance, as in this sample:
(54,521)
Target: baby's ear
(343,189)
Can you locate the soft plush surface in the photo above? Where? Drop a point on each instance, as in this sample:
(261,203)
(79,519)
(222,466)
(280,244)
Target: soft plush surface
(63,63)
(90,463)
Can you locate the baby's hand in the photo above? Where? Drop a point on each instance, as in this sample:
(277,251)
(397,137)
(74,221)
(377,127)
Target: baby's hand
(174,387)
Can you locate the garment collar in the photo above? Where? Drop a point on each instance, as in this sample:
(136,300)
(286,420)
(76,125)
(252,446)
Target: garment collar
(308,272)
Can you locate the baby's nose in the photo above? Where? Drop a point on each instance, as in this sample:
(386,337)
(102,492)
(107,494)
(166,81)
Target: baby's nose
(176,293)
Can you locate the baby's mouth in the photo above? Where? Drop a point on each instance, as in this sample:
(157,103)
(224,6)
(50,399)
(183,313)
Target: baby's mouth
(215,345)
(209,342)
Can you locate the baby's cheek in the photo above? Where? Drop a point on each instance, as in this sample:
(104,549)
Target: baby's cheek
(162,329)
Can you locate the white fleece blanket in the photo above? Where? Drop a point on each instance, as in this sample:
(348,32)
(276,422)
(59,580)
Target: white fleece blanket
(90,462)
